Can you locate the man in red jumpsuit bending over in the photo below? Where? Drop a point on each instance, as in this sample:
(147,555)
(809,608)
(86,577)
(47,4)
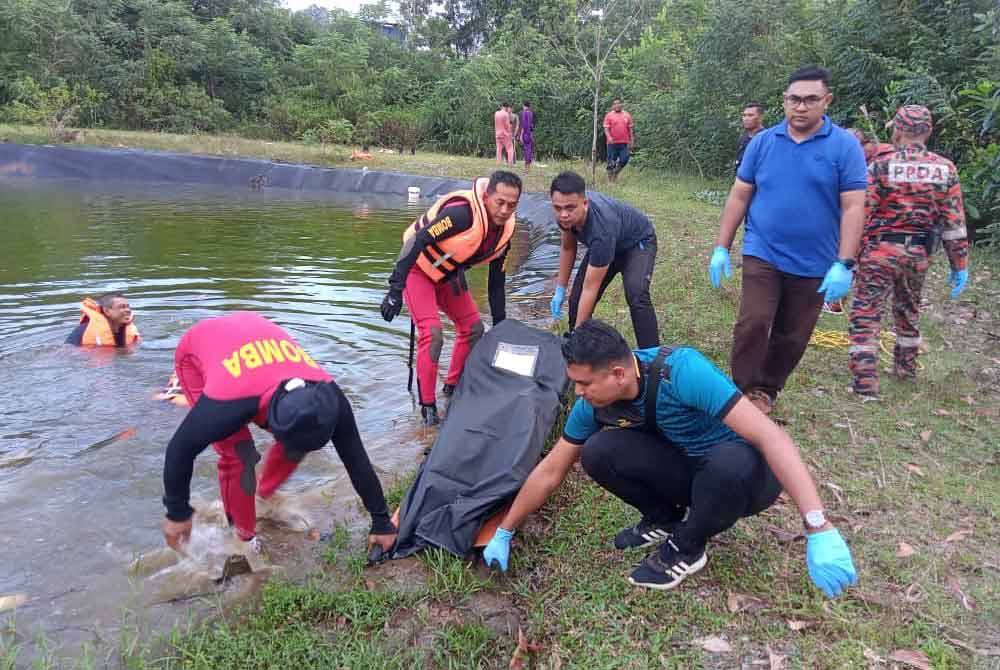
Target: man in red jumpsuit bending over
(240,368)
(460,230)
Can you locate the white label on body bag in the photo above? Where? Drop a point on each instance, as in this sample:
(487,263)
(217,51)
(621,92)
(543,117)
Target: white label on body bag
(517,358)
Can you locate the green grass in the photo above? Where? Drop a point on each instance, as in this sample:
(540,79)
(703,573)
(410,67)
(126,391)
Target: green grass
(914,469)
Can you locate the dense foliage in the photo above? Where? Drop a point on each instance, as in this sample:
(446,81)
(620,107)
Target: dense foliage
(433,75)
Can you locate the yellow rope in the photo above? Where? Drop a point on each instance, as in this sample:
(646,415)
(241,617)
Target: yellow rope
(838,339)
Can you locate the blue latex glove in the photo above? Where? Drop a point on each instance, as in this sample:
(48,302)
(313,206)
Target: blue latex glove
(498,550)
(837,282)
(959,278)
(557,300)
(719,265)
(829,561)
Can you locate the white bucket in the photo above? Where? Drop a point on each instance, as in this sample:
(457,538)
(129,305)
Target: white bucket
(413,193)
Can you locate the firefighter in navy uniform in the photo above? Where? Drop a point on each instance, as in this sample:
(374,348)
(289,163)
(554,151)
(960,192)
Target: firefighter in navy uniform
(914,198)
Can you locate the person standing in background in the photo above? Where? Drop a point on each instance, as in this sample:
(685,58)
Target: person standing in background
(501,131)
(526,134)
(752,119)
(619,132)
(515,130)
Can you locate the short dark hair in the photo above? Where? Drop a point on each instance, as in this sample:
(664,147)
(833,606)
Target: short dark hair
(615,99)
(568,182)
(526,104)
(755,105)
(811,73)
(596,344)
(504,177)
(107,300)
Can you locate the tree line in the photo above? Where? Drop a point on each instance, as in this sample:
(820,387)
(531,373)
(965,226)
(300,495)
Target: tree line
(430,74)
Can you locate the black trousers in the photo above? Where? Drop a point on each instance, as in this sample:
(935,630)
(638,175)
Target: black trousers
(636,268)
(649,473)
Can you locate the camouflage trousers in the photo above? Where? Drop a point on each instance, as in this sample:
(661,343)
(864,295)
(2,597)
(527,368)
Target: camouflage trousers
(886,270)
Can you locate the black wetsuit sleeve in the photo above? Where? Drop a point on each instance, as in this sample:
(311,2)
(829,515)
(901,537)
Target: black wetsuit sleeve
(450,221)
(497,288)
(347,441)
(208,421)
(76,337)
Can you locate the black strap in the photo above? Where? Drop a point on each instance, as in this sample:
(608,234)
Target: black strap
(653,376)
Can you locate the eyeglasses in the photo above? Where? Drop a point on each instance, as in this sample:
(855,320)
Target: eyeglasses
(809,101)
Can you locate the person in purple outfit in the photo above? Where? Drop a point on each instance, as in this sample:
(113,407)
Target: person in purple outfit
(525,133)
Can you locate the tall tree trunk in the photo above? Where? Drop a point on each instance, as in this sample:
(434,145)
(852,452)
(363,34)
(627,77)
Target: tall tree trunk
(593,144)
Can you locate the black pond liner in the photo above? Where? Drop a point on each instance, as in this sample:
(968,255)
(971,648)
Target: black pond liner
(34,163)
(134,165)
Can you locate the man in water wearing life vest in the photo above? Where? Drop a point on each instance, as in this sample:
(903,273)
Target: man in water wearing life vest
(460,230)
(669,434)
(240,368)
(105,323)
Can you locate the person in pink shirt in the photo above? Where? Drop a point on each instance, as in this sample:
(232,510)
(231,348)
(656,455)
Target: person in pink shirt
(619,133)
(502,130)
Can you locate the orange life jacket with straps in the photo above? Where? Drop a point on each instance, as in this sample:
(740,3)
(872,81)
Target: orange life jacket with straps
(98,332)
(442,260)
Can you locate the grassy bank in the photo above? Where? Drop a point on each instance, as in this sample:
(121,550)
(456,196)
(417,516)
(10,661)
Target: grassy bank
(913,482)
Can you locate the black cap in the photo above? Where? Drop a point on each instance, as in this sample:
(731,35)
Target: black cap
(303,415)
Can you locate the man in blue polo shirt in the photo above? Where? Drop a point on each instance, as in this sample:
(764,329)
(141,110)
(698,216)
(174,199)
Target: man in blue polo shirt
(801,185)
(668,433)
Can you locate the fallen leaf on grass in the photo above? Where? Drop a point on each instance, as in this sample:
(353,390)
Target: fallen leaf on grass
(942,412)
(313,535)
(915,469)
(925,435)
(737,602)
(798,625)
(969,400)
(776,660)
(875,598)
(914,659)
(837,491)
(956,588)
(914,593)
(785,536)
(905,550)
(713,644)
(987,411)
(875,659)
(524,649)
(958,535)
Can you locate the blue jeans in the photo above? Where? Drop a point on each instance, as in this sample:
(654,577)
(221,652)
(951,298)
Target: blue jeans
(617,157)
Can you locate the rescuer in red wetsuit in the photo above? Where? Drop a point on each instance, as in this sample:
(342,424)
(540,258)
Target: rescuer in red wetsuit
(240,368)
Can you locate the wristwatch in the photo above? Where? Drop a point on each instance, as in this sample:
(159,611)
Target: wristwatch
(848,263)
(814,519)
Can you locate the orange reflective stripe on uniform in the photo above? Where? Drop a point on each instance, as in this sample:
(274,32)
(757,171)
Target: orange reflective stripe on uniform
(443,258)
(98,332)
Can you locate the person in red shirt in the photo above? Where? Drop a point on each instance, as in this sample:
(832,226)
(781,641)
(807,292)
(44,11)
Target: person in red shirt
(619,134)
(503,133)
(239,368)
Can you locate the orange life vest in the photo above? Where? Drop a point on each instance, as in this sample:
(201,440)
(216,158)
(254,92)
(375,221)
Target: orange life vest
(98,332)
(441,260)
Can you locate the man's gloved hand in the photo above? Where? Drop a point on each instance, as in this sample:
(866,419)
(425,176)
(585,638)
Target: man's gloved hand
(836,283)
(959,278)
(557,300)
(498,550)
(392,304)
(719,265)
(829,561)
